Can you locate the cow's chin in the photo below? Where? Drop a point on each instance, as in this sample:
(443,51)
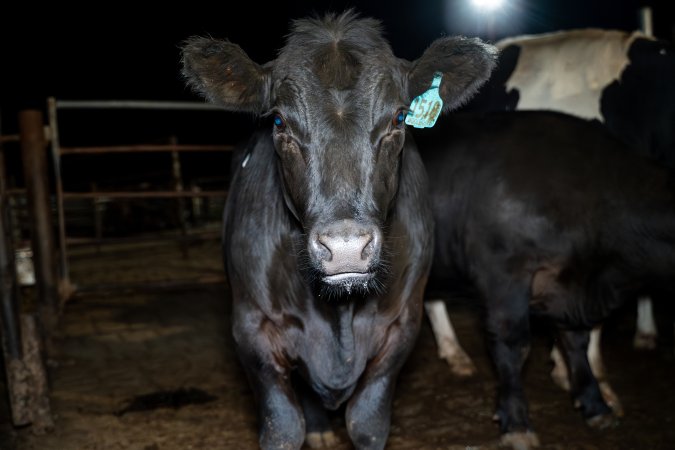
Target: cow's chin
(348,284)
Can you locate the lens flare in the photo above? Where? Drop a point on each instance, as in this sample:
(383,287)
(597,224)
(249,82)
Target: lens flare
(488,4)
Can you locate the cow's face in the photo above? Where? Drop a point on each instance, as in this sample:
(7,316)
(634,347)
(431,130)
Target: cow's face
(337,97)
(338,128)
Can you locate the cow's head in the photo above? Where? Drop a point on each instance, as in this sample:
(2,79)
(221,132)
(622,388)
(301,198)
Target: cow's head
(337,98)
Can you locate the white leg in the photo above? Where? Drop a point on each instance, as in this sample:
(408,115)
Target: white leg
(598,369)
(559,373)
(593,353)
(645,333)
(446,339)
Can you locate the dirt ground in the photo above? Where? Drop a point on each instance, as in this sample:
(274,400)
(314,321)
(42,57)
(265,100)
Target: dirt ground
(155,370)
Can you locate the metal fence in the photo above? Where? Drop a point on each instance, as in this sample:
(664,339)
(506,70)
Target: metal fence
(179,192)
(42,201)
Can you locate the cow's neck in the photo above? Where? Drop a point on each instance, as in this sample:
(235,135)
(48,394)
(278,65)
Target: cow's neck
(342,323)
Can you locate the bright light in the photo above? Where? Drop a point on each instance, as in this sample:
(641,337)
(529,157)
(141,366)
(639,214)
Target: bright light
(487,4)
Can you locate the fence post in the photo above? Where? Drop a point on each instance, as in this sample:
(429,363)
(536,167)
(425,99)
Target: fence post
(34,156)
(8,285)
(25,373)
(180,202)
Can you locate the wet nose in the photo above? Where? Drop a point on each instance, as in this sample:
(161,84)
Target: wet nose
(345,247)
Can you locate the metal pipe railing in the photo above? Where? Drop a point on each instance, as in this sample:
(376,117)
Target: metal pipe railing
(144,148)
(146,194)
(9,138)
(58,151)
(136,104)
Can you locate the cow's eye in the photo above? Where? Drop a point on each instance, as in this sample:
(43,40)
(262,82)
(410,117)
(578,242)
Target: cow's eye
(279,122)
(399,118)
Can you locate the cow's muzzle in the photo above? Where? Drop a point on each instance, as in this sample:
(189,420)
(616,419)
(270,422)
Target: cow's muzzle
(346,251)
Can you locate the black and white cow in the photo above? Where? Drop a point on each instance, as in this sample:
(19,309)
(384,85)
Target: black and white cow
(622,79)
(625,81)
(541,213)
(327,228)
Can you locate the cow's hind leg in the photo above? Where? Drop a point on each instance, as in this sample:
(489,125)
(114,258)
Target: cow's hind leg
(645,332)
(446,339)
(584,387)
(561,377)
(598,368)
(559,373)
(319,433)
(508,330)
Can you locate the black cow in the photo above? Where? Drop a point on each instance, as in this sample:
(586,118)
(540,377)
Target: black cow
(327,230)
(622,79)
(625,81)
(543,213)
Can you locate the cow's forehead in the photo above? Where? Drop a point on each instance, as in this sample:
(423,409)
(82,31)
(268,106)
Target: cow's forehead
(335,54)
(363,36)
(305,89)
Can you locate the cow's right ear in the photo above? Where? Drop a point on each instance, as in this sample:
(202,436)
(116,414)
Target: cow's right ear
(466,63)
(224,74)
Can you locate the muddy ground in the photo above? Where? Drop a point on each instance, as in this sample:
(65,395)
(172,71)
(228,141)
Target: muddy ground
(155,370)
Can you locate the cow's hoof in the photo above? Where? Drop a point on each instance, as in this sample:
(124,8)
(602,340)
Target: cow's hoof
(461,365)
(519,440)
(321,439)
(644,341)
(603,421)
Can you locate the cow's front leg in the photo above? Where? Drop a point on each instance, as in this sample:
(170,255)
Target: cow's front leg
(317,421)
(368,413)
(508,330)
(282,425)
(583,385)
(281,422)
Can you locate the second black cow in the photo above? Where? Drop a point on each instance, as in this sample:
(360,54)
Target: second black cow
(622,79)
(546,214)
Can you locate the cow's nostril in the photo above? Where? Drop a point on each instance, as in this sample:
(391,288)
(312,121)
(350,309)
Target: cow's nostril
(320,249)
(324,252)
(372,247)
(368,248)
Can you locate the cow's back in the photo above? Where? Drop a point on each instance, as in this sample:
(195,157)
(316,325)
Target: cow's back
(540,183)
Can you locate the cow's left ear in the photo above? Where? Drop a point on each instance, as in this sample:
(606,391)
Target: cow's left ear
(466,63)
(224,74)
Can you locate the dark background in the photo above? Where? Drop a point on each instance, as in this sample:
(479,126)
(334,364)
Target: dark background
(113,50)
(124,50)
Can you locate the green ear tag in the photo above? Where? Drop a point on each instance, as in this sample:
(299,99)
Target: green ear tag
(425,109)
